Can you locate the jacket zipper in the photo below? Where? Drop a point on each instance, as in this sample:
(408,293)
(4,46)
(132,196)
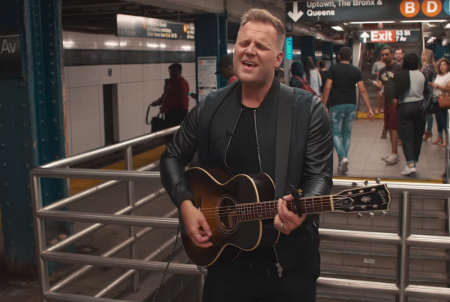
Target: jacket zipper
(231,136)
(257,141)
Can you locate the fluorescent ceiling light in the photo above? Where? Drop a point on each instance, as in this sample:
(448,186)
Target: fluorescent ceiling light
(418,21)
(337,28)
(372,22)
(447,26)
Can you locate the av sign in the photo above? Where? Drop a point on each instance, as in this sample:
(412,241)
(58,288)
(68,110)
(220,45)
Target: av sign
(367,10)
(10,57)
(389,36)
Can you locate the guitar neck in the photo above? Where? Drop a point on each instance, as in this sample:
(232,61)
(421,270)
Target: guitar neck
(268,209)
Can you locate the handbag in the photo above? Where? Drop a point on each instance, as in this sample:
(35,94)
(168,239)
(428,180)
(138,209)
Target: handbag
(444,100)
(158,123)
(430,104)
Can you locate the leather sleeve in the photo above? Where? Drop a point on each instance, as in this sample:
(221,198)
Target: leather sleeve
(178,154)
(317,176)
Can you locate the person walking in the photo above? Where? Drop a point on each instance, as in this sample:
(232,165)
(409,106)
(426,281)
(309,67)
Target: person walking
(411,88)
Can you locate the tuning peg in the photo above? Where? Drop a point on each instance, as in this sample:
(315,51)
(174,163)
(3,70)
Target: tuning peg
(378,180)
(384,213)
(366,182)
(359,215)
(354,184)
(371,215)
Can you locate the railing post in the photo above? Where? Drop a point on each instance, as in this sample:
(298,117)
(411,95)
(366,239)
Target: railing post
(130,201)
(404,231)
(201,282)
(39,230)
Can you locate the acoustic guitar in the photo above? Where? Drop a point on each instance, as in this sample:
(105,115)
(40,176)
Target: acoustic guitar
(240,211)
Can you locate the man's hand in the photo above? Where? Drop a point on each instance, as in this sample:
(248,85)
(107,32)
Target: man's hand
(195,224)
(154,104)
(370,114)
(287,221)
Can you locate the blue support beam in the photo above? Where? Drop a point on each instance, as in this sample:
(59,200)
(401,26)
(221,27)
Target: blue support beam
(211,39)
(32,125)
(308,47)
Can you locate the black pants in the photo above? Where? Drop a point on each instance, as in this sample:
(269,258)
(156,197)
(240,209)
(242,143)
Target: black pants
(230,285)
(411,126)
(441,119)
(175,117)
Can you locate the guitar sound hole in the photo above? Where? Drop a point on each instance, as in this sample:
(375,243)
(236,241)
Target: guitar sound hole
(228,214)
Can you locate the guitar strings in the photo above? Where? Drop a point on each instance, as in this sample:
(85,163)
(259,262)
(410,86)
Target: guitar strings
(250,214)
(212,212)
(251,206)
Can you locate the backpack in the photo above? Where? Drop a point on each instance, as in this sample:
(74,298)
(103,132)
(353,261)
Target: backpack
(306,86)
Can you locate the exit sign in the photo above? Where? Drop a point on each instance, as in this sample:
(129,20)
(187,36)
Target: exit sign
(389,36)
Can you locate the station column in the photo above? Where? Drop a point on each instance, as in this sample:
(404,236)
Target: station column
(308,47)
(211,40)
(327,52)
(32,130)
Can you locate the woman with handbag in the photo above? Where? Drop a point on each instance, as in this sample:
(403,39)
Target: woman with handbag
(411,88)
(439,85)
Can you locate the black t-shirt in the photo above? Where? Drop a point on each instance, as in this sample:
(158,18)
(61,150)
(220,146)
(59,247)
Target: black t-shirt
(242,154)
(386,76)
(324,74)
(344,77)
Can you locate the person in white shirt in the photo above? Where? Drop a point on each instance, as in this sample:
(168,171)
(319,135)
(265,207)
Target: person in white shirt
(312,75)
(439,85)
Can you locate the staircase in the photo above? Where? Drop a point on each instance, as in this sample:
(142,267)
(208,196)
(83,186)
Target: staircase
(372,262)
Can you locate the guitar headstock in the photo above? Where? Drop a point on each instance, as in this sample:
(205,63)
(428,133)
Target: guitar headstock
(365,199)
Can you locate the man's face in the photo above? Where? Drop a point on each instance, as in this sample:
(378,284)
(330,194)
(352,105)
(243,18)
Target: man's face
(257,54)
(399,55)
(386,56)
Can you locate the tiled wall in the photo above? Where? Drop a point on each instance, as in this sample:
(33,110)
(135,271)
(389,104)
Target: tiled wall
(138,86)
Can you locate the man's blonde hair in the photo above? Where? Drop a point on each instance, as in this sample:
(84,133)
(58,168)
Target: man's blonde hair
(264,16)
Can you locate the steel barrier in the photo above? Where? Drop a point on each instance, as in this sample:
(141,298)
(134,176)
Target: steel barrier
(403,239)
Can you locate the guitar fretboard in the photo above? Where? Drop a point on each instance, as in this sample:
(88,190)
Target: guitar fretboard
(268,209)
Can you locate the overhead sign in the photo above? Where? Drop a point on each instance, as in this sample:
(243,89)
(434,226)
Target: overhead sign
(389,36)
(367,10)
(10,57)
(134,26)
(289,49)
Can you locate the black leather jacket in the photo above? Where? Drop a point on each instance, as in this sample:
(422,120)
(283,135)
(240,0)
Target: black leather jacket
(207,129)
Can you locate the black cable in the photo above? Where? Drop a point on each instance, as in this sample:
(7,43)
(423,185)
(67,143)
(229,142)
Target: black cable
(167,267)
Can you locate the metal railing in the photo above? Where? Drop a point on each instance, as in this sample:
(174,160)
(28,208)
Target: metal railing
(403,239)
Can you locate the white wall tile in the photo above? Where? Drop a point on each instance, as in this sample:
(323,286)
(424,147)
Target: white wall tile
(66,71)
(130,43)
(132,117)
(131,73)
(103,74)
(85,116)
(153,72)
(107,42)
(81,76)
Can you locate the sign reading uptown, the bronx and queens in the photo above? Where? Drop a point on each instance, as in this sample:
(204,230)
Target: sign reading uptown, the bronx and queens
(134,26)
(389,36)
(367,10)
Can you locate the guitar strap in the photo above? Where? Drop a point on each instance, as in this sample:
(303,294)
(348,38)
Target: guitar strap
(284,125)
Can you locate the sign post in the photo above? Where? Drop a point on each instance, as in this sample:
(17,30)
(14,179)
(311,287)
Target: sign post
(389,36)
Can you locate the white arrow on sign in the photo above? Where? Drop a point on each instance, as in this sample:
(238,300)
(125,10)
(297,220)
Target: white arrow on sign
(295,14)
(365,35)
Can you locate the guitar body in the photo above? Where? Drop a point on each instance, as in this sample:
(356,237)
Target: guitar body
(216,193)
